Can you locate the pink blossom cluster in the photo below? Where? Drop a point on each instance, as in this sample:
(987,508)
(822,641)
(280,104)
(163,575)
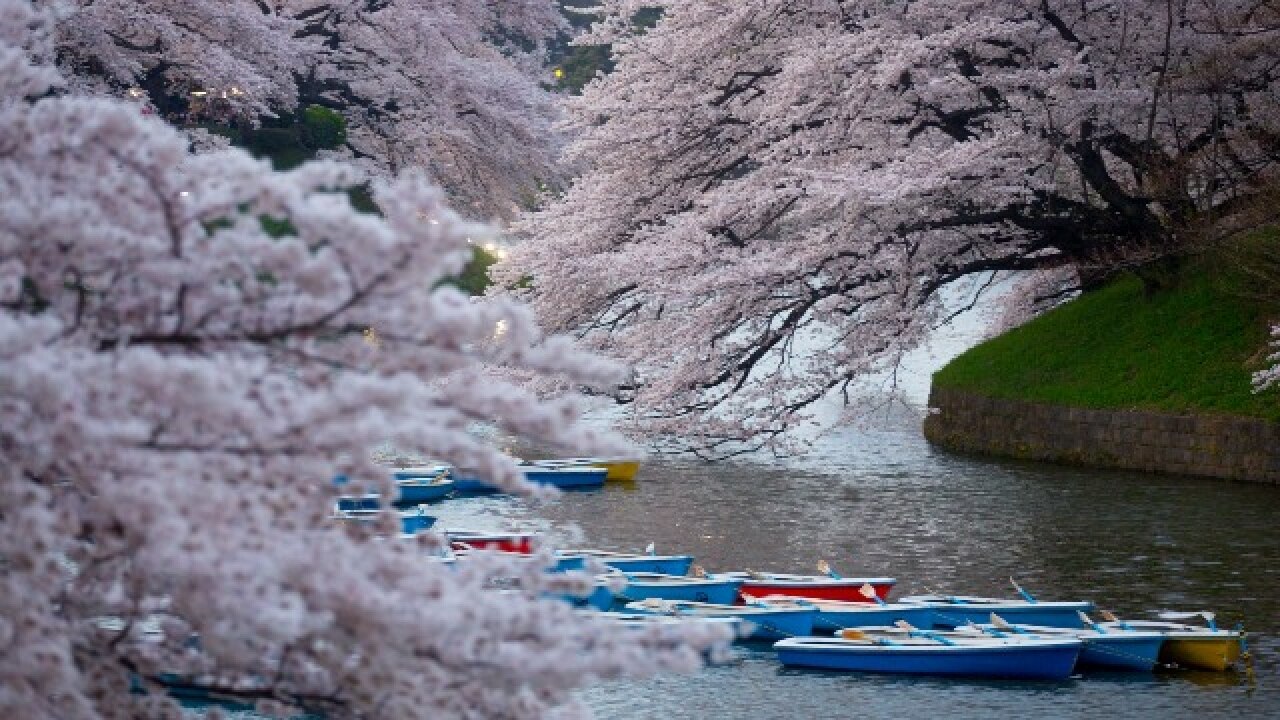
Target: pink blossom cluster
(179,385)
(773,195)
(450,87)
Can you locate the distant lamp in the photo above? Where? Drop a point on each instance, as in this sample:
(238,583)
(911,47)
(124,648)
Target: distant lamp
(558,72)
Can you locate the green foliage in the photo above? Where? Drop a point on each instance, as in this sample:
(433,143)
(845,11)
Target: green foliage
(475,276)
(1186,348)
(289,140)
(276,227)
(321,128)
(580,64)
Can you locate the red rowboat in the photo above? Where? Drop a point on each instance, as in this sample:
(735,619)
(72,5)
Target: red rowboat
(818,587)
(512,542)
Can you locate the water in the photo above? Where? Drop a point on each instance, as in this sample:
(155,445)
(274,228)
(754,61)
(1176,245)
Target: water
(885,503)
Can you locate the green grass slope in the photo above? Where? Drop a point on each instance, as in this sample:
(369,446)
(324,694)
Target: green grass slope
(1186,349)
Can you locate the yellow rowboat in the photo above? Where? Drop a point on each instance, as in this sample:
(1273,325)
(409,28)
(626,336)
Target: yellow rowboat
(619,469)
(1190,646)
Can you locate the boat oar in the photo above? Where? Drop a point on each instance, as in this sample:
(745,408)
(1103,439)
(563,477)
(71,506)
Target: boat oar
(1025,595)
(1002,624)
(825,568)
(1208,617)
(913,631)
(1110,617)
(1089,623)
(973,627)
(868,591)
(858,636)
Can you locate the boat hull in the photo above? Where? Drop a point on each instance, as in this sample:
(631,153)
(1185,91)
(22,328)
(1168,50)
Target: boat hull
(1039,662)
(566,477)
(718,592)
(520,543)
(1122,652)
(873,616)
(624,470)
(812,587)
(415,493)
(664,564)
(1201,653)
(472,485)
(758,624)
(419,473)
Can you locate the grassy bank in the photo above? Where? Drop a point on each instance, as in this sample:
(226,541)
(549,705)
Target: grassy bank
(1187,348)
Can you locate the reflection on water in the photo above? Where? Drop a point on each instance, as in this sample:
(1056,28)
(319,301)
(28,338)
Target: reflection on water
(884,502)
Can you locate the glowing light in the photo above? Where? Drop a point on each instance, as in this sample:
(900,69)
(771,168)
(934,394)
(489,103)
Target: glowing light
(199,93)
(558,72)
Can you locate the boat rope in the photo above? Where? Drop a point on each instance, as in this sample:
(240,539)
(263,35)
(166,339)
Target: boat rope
(1246,657)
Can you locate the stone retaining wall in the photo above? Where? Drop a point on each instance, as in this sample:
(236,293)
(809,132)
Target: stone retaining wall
(1234,448)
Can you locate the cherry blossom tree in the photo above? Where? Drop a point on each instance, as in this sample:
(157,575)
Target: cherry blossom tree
(775,194)
(179,386)
(451,87)
(1269,376)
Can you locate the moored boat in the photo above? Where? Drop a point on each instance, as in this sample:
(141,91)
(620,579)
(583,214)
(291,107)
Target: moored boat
(1188,646)
(425,490)
(618,468)
(760,622)
(836,614)
(1107,648)
(890,650)
(643,620)
(558,563)
(420,472)
(951,611)
(636,562)
(565,477)
(643,585)
(411,521)
(820,587)
(512,542)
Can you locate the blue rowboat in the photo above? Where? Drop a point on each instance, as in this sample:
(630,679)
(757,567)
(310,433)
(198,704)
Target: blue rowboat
(600,598)
(1114,649)
(888,650)
(759,623)
(472,485)
(834,614)
(950,611)
(425,472)
(644,620)
(416,492)
(565,477)
(1189,646)
(642,586)
(349,503)
(569,477)
(411,521)
(637,563)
